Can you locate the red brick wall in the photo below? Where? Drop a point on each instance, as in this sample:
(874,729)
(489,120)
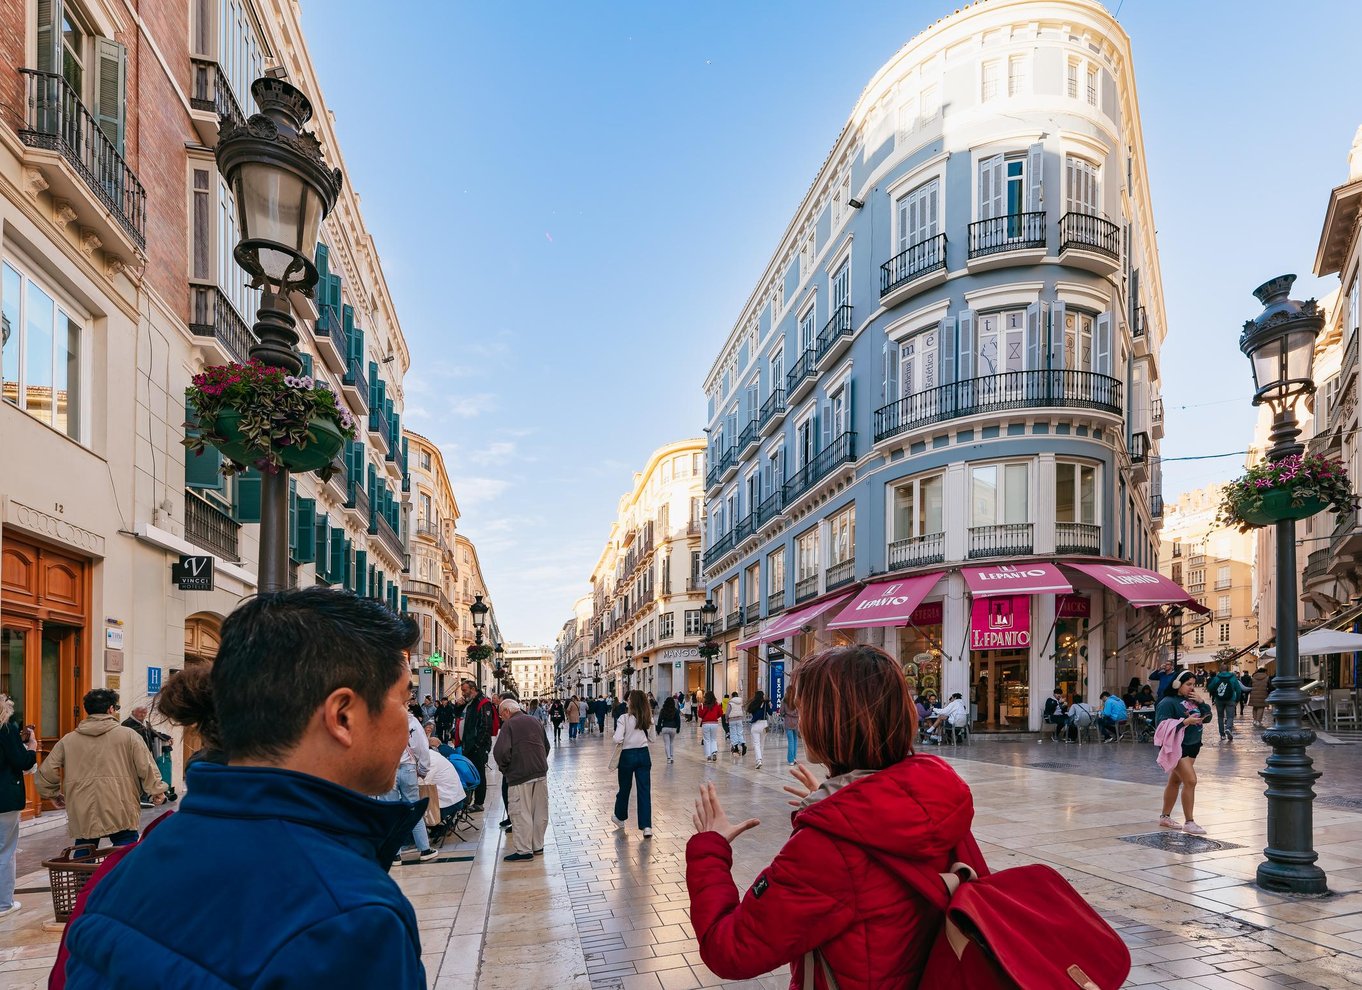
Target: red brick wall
(12,57)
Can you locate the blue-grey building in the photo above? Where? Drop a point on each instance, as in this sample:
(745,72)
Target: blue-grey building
(952,360)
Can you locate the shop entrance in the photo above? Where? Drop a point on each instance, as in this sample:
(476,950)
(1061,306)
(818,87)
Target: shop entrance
(1000,691)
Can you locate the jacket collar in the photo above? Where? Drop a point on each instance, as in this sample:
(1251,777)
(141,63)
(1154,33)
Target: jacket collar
(370,826)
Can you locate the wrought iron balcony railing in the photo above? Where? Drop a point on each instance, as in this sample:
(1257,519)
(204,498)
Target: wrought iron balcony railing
(721,546)
(840,451)
(771,506)
(211,315)
(915,551)
(207,526)
(58,121)
(1089,233)
(840,574)
(919,259)
(775,601)
(1005,540)
(806,588)
(837,327)
(803,368)
(1013,232)
(211,90)
(773,406)
(993,393)
(1074,537)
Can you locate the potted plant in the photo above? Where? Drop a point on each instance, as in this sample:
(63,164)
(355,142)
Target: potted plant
(709,649)
(262,417)
(1294,487)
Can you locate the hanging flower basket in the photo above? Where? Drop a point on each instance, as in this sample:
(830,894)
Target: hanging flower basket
(709,651)
(261,417)
(1293,488)
(479,653)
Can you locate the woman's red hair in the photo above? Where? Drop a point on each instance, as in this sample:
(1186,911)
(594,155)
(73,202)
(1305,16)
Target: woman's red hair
(855,711)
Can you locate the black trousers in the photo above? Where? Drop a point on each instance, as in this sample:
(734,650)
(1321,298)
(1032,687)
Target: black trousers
(479,760)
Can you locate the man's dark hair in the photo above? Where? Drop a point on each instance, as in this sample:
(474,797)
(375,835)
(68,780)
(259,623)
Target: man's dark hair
(1104,694)
(282,654)
(100,701)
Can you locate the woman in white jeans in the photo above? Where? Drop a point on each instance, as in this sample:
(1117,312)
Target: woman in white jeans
(737,721)
(668,725)
(710,713)
(760,713)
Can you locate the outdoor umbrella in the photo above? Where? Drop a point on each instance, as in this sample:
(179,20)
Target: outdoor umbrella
(1319,641)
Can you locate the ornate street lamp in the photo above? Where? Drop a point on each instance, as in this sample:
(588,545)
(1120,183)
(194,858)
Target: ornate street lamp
(708,648)
(283,189)
(1280,343)
(498,671)
(628,665)
(1175,616)
(479,612)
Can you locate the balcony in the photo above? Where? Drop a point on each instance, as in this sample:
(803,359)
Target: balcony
(775,601)
(1317,565)
(355,387)
(772,412)
(1156,505)
(806,588)
(693,528)
(747,438)
(917,551)
(747,527)
(380,527)
(1075,537)
(835,337)
(840,574)
(338,484)
(909,272)
(1139,328)
(733,620)
(771,507)
(78,162)
(1015,239)
(729,466)
(997,393)
(723,462)
(332,343)
(721,546)
(801,376)
(1156,417)
(841,451)
(695,584)
(429,530)
(207,526)
(210,99)
(357,498)
(380,428)
(216,326)
(1347,538)
(1089,242)
(1004,540)
(1223,584)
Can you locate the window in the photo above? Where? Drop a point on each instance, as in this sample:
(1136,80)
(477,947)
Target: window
(775,572)
(989,77)
(425,460)
(910,365)
(695,465)
(1222,608)
(1076,493)
(1002,342)
(1002,190)
(1083,192)
(841,286)
(1018,75)
(1354,312)
(931,102)
(42,353)
(1092,84)
(1078,336)
(842,536)
(806,331)
(806,554)
(666,472)
(1222,576)
(919,507)
(1071,78)
(1199,636)
(908,117)
(693,626)
(424,510)
(777,379)
(1000,493)
(1224,632)
(806,251)
(666,626)
(753,596)
(916,215)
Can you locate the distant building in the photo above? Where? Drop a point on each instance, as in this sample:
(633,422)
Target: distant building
(1216,564)
(532,668)
(570,653)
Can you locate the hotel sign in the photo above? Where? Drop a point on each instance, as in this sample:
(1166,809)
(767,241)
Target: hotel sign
(1001,623)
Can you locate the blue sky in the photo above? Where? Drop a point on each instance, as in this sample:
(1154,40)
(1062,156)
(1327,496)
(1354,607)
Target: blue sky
(573,200)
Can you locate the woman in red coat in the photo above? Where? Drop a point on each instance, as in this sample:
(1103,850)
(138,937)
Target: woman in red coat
(841,888)
(710,714)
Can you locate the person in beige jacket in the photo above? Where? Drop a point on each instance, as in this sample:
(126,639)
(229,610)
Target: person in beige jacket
(98,773)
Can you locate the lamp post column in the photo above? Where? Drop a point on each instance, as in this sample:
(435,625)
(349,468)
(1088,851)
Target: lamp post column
(276,346)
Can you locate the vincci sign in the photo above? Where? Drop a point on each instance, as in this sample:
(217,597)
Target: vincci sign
(1001,623)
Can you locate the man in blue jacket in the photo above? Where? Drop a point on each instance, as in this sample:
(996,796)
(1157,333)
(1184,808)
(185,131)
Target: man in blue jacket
(274,871)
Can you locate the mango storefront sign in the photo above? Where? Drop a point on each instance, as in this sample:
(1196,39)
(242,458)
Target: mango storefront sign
(1002,622)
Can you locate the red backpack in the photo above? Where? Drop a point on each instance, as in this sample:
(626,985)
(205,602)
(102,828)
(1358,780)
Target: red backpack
(496,715)
(1023,928)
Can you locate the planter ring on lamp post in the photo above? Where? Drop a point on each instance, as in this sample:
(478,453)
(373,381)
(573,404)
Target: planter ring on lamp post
(283,189)
(1280,343)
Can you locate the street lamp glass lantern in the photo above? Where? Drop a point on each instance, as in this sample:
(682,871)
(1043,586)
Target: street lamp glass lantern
(479,611)
(1280,345)
(709,610)
(282,187)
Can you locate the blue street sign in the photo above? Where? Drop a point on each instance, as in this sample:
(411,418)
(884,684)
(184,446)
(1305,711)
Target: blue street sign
(776,673)
(153,680)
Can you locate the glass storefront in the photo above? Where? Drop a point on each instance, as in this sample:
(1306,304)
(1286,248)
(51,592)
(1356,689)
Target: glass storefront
(919,650)
(1071,646)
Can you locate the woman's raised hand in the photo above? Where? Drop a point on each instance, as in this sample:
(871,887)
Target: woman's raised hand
(710,817)
(807,784)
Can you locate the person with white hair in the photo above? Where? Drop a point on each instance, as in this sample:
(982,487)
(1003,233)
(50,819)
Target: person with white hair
(522,755)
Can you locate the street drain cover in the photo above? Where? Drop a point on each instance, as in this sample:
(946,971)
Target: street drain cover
(1052,765)
(1170,840)
(1353,804)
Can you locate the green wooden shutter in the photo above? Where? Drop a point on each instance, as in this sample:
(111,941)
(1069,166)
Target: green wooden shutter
(362,573)
(348,564)
(307,364)
(202,470)
(323,546)
(246,496)
(323,258)
(305,550)
(337,563)
(292,517)
(404,604)
(111,77)
(49,35)
(356,339)
(373,385)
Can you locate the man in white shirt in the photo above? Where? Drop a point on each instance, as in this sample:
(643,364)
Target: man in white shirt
(415,764)
(956,714)
(445,779)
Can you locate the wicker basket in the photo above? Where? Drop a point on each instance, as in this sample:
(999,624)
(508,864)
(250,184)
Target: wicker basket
(69,877)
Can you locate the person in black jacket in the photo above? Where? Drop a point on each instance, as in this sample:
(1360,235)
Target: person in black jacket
(477,735)
(157,742)
(444,720)
(1054,713)
(18,754)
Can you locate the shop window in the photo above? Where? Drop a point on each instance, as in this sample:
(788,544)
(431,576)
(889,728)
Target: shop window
(919,507)
(1000,494)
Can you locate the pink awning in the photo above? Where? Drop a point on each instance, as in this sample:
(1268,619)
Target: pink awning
(747,644)
(1031,578)
(788,624)
(886,603)
(1141,587)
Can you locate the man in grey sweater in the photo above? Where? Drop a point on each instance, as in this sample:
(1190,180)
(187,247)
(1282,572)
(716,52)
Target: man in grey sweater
(522,755)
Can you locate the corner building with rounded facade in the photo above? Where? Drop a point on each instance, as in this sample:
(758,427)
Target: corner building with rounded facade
(952,362)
